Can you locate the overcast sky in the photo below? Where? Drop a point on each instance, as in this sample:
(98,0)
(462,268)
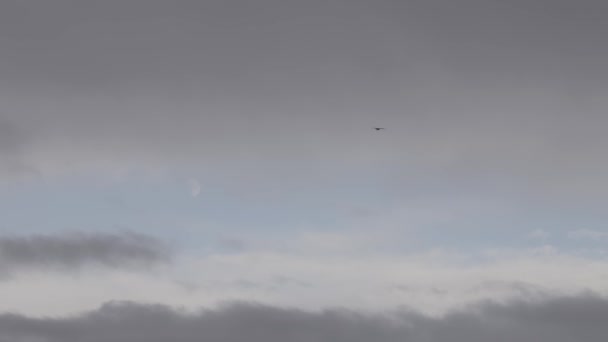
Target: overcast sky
(189,153)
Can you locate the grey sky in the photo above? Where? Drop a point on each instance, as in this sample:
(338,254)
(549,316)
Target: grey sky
(73,251)
(495,114)
(467,88)
(555,320)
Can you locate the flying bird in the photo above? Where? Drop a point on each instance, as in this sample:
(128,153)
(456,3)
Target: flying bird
(379,128)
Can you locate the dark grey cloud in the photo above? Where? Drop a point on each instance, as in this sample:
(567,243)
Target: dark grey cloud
(556,320)
(73,251)
(481,91)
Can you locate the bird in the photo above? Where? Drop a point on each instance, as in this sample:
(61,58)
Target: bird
(379,128)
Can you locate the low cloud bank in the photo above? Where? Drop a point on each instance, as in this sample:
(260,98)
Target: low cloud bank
(567,319)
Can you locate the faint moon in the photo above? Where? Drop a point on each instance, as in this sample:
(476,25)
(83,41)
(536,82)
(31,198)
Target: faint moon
(195,187)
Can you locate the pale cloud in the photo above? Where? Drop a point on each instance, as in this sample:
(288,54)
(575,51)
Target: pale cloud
(433,282)
(539,234)
(195,187)
(588,234)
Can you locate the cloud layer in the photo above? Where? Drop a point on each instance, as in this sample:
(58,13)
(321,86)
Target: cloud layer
(563,319)
(469,90)
(431,283)
(73,251)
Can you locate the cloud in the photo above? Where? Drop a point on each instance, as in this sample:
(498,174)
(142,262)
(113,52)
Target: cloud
(287,88)
(588,234)
(539,234)
(580,318)
(195,187)
(431,283)
(73,251)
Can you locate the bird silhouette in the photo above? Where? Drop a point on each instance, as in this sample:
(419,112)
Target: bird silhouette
(379,128)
